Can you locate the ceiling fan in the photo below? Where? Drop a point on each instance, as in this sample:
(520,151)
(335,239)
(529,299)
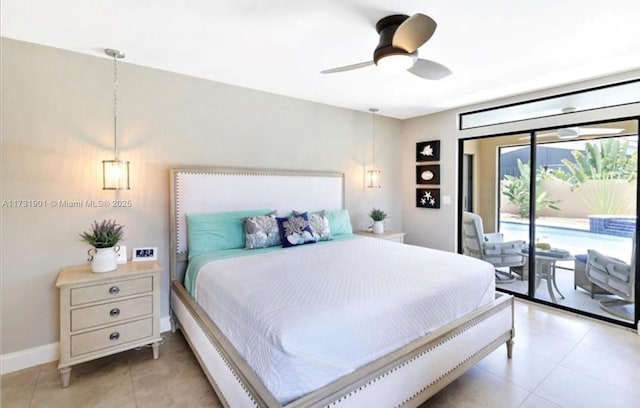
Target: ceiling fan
(575,132)
(397,50)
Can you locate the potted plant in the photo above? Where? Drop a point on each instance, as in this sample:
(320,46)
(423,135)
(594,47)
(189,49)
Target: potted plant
(378,216)
(104,238)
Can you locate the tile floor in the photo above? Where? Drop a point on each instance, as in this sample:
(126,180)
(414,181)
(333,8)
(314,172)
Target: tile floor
(559,360)
(577,298)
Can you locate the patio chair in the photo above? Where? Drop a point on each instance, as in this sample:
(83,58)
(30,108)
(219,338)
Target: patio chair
(490,247)
(617,277)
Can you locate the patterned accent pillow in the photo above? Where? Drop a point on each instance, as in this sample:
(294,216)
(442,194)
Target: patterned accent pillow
(319,223)
(261,231)
(295,230)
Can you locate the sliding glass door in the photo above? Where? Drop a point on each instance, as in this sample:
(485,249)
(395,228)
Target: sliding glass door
(569,195)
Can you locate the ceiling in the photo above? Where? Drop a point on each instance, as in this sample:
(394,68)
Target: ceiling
(494,48)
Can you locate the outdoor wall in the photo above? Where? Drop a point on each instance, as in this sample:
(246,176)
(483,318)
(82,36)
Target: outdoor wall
(582,202)
(57,127)
(485,170)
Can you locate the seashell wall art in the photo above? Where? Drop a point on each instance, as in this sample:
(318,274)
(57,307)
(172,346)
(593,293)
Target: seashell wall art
(428,174)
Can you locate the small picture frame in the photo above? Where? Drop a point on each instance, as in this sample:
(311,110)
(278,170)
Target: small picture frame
(122,254)
(144,254)
(428,151)
(428,198)
(428,174)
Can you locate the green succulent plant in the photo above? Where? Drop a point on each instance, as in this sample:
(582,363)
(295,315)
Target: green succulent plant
(378,215)
(103,235)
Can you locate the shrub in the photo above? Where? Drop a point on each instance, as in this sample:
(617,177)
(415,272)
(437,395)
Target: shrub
(517,189)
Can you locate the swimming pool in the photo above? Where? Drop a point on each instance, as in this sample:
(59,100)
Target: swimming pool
(574,241)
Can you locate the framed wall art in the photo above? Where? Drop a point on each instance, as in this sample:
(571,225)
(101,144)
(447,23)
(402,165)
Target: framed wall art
(428,198)
(428,174)
(428,151)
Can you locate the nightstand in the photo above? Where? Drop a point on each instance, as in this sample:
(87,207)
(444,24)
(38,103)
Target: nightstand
(106,313)
(388,235)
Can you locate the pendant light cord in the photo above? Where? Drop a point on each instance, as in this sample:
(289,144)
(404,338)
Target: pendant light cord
(115,107)
(373,137)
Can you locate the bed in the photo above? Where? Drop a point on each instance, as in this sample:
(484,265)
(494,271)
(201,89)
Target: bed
(417,358)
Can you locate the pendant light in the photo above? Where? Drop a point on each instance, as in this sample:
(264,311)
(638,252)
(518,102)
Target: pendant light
(373,175)
(115,173)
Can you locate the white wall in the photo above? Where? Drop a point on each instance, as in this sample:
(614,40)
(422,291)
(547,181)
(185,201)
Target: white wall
(438,228)
(57,127)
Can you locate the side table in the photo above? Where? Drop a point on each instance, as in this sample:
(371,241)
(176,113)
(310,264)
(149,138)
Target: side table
(106,313)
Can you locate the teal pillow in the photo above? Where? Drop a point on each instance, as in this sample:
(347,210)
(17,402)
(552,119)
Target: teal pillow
(217,231)
(339,222)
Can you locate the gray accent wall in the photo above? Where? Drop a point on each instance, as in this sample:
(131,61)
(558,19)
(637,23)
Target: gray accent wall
(57,127)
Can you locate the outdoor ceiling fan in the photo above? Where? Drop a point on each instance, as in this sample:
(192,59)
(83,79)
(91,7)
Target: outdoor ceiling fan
(575,132)
(397,50)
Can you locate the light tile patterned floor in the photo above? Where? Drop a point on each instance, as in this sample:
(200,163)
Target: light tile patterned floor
(559,360)
(575,298)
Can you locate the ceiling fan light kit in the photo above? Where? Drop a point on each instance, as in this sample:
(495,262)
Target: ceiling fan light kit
(396,62)
(568,133)
(397,49)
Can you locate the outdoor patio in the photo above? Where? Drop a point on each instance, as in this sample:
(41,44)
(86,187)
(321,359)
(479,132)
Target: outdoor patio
(572,235)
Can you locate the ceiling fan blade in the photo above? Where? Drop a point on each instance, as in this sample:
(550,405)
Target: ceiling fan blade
(547,134)
(347,67)
(429,69)
(540,136)
(585,131)
(413,32)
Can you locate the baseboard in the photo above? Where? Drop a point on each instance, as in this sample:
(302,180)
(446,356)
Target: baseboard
(34,356)
(165,324)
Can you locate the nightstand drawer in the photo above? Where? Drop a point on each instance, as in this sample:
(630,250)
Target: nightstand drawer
(112,312)
(110,336)
(112,290)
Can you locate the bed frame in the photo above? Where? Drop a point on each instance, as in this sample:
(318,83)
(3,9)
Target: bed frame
(406,377)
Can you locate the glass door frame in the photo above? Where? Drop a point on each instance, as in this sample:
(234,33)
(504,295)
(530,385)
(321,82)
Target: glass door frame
(532,217)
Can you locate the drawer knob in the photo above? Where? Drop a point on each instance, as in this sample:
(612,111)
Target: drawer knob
(115,312)
(114,290)
(114,336)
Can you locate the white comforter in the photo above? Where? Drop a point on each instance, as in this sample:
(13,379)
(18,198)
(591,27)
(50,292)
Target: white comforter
(304,316)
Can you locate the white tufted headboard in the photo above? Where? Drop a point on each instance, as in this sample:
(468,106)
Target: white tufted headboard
(210,189)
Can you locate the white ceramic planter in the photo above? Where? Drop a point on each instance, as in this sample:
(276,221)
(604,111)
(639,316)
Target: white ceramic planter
(104,259)
(378,227)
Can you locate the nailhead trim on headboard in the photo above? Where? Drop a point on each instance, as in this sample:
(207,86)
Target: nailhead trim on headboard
(212,190)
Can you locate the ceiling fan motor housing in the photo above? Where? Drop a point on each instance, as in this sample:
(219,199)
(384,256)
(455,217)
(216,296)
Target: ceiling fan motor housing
(386,28)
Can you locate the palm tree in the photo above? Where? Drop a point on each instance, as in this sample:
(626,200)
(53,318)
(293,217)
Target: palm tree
(599,175)
(609,161)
